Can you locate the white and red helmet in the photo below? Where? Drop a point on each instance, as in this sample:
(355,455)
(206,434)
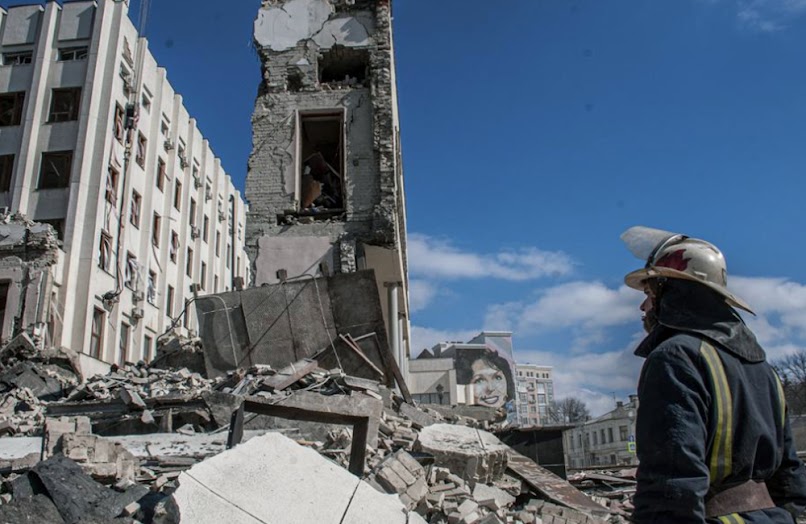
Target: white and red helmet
(672,255)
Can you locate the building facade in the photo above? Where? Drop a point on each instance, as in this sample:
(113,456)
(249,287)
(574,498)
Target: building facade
(535,393)
(325,179)
(95,142)
(608,440)
(476,373)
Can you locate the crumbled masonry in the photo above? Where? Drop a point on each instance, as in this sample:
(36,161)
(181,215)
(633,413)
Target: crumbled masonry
(134,441)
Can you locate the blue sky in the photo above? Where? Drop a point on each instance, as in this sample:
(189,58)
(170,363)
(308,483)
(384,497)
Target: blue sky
(535,132)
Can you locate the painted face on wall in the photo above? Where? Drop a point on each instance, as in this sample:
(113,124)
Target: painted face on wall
(489,384)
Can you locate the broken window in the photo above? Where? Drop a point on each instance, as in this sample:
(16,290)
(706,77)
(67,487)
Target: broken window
(54,172)
(134,213)
(156,228)
(68,54)
(18,58)
(105,251)
(161,174)
(321,168)
(97,333)
(151,292)
(120,128)
(189,264)
(174,248)
(343,67)
(64,104)
(148,342)
(131,271)
(124,343)
(169,301)
(111,185)
(140,156)
(6,170)
(178,195)
(11,108)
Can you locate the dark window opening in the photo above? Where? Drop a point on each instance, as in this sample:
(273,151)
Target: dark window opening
(6,170)
(344,67)
(156,226)
(11,108)
(18,58)
(64,104)
(97,333)
(169,301)
(124,343)
(322,154)
(134,214)
(161,174)
(57,224)
(54,173)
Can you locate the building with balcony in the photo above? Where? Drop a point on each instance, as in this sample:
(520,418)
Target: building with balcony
(95,142)
(535,393)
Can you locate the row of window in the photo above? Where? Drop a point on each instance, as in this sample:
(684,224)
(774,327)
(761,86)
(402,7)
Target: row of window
(533,374)
(124,344)
(64,54)
(602,436)
(64,106)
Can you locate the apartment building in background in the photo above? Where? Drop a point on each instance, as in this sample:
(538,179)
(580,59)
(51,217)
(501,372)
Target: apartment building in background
(608,440)
(95,142)
(535,393)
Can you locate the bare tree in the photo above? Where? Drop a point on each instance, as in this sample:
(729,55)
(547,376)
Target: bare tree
(569,410)
(792,371)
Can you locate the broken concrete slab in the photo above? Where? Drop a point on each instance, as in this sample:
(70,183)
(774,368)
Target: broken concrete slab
(492,497)
(76,496)
(273,479)
(37,509)
(551,486)
(472,454)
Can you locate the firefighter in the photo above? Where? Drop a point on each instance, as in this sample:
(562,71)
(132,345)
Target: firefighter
(713,439)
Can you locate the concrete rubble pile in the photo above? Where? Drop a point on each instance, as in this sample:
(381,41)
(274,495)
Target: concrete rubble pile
(611,488)
(147,444)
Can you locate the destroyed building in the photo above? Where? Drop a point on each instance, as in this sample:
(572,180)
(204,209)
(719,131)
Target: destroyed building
(96,143)
(325,179)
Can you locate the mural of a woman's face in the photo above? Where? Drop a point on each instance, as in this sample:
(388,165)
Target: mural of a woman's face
(489,384)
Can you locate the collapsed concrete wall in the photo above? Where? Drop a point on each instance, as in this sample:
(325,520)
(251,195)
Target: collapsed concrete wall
(29,252)
(325,160)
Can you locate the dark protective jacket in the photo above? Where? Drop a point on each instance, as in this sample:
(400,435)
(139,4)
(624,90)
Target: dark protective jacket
(711,415)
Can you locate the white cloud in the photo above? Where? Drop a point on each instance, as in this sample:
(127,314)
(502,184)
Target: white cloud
(421,294)
(781,308)
(436,258)
(594,378)
(767,16)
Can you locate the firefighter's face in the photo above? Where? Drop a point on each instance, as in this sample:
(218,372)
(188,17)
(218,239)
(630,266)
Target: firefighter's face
(648,309)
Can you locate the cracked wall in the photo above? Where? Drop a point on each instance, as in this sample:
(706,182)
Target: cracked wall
(324,56)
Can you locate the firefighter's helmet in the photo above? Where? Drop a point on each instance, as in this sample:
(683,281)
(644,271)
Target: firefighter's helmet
(672,255)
